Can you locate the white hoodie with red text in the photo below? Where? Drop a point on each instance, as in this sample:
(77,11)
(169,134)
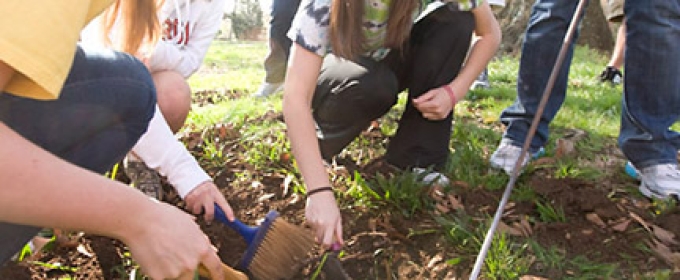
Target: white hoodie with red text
(189,26)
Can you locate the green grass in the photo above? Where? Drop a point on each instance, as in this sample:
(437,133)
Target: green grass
(590,106)
(237,66)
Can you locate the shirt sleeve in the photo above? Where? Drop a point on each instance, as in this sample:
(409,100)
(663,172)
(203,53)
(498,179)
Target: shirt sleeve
(310,26)
(160,150)
(39,41)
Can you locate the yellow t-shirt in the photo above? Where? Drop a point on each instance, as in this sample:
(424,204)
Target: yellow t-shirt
(38,40)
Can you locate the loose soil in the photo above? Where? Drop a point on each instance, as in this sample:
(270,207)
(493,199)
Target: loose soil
(605,222)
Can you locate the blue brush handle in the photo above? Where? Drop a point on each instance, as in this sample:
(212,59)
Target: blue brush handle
(247,232)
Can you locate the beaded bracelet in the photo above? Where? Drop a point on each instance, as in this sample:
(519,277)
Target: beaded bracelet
(322,189)
(449,91)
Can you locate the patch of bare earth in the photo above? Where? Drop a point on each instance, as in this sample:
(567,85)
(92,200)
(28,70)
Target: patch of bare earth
(604,221)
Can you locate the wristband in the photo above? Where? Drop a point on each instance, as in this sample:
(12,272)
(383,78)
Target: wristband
(449,91)
(322,189)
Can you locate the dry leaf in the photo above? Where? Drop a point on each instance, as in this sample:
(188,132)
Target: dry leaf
(437,193)
(544,161)
(532,277)
(595,219)
(509,210)
(442,208)
(256,184)
(670,257)
(294,199)
(286,184)
(621,226)
(455,204)
(504,228)
(664,235)
(460,184)
(264,197)
(372,224)
(81,249)
(564,147)
(436,259)
(526,227)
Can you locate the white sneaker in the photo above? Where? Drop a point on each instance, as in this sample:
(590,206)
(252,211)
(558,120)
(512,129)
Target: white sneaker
(507,154)
(431,177)
(482,81)
(660,181)
(267,89)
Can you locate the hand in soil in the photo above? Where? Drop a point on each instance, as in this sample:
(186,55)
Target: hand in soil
(204,197)
(170,245)
(324,216)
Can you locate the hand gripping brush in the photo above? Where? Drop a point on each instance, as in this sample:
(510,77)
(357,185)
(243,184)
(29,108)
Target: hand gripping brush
(527,141)
(275,247)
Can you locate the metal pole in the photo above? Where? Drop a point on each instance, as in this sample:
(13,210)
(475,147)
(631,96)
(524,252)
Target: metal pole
(527,141)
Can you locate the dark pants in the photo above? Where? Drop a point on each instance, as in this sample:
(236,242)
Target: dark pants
(282,14)
(105,106)
(350,94)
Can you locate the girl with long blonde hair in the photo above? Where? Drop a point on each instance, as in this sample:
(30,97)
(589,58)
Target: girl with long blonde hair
(171,38)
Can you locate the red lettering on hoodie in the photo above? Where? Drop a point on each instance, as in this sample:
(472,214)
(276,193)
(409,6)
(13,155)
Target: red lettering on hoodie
(172,33)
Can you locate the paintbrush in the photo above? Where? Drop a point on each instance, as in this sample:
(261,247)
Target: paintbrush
(275,248)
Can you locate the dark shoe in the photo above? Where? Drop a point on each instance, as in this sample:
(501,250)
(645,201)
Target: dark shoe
(144,179)
(612,75)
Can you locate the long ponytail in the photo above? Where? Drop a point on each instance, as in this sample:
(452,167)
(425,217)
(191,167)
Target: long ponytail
(137,25)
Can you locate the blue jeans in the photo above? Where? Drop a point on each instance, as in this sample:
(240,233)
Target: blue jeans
(651,92)
(104,107)
(543,38)
(651,101)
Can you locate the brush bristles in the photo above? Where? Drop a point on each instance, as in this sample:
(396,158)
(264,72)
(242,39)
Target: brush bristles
(281,251)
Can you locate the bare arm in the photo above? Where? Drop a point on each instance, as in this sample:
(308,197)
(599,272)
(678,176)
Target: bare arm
(42,190)
(436,103)
(297,101)
(322,211)
(489,38)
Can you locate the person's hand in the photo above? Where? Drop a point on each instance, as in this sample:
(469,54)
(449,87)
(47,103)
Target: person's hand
(323,215)
(435,104)
(170,245)
(202,199)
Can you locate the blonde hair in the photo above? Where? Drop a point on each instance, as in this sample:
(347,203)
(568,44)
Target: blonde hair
(346,21)
(139,28)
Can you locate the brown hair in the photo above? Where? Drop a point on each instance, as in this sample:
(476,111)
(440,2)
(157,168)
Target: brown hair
(138,22)
(346,22)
